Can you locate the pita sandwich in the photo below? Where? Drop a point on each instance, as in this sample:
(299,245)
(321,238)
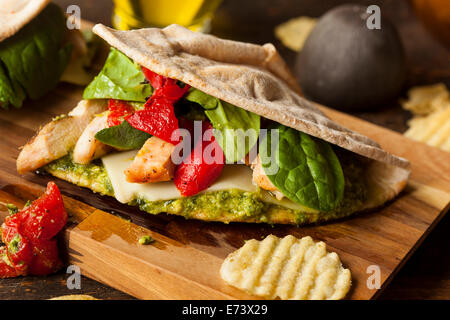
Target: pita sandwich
(36,48)
(115,141)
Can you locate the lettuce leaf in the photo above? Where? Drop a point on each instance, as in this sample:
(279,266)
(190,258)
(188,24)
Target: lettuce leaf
(120,79)
(32,61)
(308,171)
(236,129)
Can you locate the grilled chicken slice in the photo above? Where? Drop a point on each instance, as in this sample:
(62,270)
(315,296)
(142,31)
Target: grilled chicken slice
(260,179)
(87,147)
(58,137)
(153,162)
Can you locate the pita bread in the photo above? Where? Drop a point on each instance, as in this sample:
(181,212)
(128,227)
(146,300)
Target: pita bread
(242,74)
(254,78)
(14,14)
(248,76)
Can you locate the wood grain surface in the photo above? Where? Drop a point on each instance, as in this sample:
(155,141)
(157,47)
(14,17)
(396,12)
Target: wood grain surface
(426,277)
(188,253)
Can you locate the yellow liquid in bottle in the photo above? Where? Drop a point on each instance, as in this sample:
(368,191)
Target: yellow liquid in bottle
(193,14)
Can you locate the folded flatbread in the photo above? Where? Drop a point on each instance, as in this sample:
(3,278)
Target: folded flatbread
(14,14)
(248,76)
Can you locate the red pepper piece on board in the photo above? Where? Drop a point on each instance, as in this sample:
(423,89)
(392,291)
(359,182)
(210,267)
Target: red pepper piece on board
(10,227)
(6,269)
(118,110)
(46,216)
(198,173)
(46,257)
(28,235)
(157,118)
(18,248)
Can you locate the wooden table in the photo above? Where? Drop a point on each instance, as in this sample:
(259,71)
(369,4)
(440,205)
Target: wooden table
(427,274)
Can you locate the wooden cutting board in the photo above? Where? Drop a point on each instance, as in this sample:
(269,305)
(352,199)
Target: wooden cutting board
(184,262)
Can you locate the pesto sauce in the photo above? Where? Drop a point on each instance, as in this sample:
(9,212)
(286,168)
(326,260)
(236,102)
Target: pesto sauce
(246,205)
(92,175)
(355,190)
(231,203)
(146,240)
(12,209)
(249,205)
(235,202)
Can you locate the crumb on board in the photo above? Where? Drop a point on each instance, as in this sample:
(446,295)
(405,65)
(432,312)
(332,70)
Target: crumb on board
(145,240)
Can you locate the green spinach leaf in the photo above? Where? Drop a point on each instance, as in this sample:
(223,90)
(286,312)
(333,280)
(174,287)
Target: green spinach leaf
(120,79)
(33,60)
(10,91)
(236,129)
(309,171)
(123,136)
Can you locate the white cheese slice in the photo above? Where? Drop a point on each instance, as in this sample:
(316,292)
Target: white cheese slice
(234,176)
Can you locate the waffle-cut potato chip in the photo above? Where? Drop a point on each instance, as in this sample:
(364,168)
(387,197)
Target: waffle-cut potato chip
(74,297)
(433,129)
(431,107)
(288,268)
(293,33)
(427,99)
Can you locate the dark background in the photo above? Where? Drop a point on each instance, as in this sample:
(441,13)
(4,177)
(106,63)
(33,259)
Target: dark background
(427,274)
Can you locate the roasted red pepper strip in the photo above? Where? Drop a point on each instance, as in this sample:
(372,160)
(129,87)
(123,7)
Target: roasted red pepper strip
(165,87)
(28,235)
(156,80)
(198,173)
(46,258)
(118,109)
(6,269)
(189,126)
(158,116)
(46,216)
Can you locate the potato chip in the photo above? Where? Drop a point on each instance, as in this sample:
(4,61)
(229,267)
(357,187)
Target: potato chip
(423,128)
(433,129)
(431,107)
(427,99)
(288,268)
(293,33)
